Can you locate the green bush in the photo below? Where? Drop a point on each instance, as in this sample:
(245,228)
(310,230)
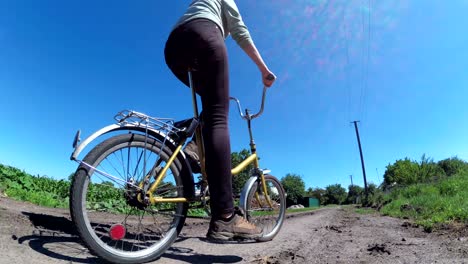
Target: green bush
(355,194)
(432,204)
(38,197)
(453,166)
(377,198)
(335,194)
(452,186)
(406,172)
(36,189)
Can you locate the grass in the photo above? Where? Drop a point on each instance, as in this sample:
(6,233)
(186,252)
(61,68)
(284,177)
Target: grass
(197,212)
(37,197)
(305,209)
(200,212)
(298,210)
(365,211)
(43,191)
(432,204)
(428,204)
(2,189)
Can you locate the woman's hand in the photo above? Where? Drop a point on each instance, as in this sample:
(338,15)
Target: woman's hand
(268,77)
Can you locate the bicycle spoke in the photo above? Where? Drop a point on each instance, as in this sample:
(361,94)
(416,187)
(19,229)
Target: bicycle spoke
(116,220)
(119,160)
(127,168)
(267,211)
(103,168)
(139,155)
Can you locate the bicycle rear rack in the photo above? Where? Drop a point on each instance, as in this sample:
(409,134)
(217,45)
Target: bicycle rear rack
(142,120)
(127,119)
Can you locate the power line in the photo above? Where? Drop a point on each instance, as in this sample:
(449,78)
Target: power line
(363,68)
(366,83)
(378,175)
(347,61)
(365,59)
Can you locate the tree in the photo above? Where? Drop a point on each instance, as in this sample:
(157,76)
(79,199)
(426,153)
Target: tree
(402,172)
(376,196)
(406,172)
(334,194)
(354,193)
(239,180)
(452,166)
(429,170)
(108,183)
(372,188)
(70,177)
(294,187)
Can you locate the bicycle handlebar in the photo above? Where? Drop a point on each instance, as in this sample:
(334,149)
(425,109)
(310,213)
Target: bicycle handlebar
(247,116)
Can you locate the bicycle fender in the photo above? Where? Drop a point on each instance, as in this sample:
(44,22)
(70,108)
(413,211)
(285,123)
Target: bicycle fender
(115,127)
(189,188)
(245,192)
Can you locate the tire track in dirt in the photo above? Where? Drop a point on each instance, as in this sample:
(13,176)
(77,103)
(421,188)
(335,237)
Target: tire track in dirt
(297,231)
(353,238)
(33,234)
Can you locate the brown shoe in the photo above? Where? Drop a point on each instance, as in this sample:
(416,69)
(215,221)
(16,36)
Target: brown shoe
(191,149)
(237,227)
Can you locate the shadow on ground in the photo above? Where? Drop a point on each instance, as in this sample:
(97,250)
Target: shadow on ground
(186,255)
(56,238)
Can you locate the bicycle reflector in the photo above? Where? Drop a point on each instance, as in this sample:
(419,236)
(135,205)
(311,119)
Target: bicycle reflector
(77,138)
(117,232)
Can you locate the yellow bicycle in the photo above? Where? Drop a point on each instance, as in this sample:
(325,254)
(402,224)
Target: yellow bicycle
(131,193)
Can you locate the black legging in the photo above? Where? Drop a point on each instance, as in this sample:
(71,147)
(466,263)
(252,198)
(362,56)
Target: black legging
(199,45)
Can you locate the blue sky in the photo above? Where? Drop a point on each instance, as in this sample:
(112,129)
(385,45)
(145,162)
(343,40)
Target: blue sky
(68,65)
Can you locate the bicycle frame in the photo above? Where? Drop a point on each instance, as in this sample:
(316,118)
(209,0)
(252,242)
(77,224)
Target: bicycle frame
(253,158)
(152,187)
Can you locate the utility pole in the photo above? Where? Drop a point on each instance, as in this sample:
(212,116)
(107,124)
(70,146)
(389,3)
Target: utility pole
(362,158)
(351,176)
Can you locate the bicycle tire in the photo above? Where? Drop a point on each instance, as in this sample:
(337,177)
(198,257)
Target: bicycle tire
(260,213)
(95,227)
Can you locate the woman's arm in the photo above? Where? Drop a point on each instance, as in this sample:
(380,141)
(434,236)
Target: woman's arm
(241,35)
(253,53)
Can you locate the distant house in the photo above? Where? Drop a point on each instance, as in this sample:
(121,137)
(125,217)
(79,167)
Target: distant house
(310,201)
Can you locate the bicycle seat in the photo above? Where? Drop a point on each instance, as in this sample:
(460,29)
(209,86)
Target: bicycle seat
(186,127)
(183,124)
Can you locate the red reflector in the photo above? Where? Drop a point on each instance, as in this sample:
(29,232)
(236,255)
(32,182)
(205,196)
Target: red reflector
(117,232)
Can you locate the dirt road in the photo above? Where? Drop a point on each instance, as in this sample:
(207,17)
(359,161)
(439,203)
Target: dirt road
(32,234)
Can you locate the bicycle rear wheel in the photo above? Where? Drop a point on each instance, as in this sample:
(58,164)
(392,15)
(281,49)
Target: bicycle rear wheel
(267,215)
(111,221)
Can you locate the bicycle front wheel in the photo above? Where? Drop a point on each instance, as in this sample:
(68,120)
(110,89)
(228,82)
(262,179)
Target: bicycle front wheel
(104,203)
(267,211)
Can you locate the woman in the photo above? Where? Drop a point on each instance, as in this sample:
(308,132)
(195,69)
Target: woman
(197,42)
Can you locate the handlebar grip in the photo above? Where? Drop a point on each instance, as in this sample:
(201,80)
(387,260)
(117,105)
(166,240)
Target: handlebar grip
(270,77)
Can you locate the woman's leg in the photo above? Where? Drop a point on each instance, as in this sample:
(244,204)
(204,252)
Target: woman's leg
(215,103)
(201,46)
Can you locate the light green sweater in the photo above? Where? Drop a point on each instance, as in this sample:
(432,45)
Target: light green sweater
(222,12)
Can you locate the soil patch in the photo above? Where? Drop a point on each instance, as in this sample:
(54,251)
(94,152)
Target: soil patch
(34,234)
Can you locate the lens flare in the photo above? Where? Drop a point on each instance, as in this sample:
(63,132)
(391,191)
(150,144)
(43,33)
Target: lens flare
(327,36)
